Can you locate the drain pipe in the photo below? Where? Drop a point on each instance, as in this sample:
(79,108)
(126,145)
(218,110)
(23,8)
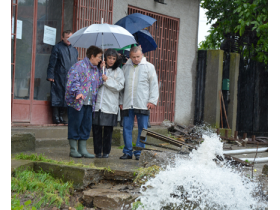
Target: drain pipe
(245,151)
(257,160)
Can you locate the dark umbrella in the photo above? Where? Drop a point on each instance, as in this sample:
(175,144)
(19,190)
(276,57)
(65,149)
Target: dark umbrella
(135,22)
(145,39)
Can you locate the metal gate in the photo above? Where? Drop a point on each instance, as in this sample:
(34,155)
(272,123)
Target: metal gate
(87,12)
(165,31)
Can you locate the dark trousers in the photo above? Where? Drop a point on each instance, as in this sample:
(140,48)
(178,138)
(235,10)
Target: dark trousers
(79,122)
(102,143)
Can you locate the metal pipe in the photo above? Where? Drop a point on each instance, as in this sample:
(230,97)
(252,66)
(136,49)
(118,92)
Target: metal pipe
(245,151)
(257,160)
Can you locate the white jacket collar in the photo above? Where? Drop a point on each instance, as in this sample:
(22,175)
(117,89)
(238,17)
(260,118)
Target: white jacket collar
(143,61)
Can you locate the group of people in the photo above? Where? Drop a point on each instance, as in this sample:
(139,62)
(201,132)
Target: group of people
(94,90)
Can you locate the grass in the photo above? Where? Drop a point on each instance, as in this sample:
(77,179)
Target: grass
(15,204)
(79,206)
(108,170)
(122,146)
(144,174)
(45,189)
(136,205)
(42,158)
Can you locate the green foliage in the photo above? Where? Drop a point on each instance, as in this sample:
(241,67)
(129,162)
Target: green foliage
(48,189)
(16,204)
(247,161)
(109,170)
(246,20)
(121,147)
(136,205)
(79,206)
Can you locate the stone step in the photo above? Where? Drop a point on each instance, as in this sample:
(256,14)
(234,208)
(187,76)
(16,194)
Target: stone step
(81,177)
(108,198)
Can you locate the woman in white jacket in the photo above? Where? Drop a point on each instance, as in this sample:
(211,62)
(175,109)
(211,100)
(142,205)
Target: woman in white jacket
(106,108)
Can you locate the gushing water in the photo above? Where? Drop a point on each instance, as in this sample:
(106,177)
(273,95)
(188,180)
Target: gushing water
(200,183)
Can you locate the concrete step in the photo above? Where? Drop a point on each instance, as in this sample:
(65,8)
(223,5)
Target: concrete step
(56,136)
(44,132)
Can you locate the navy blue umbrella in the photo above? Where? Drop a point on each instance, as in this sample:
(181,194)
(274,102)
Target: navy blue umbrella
(135,22)
(145,39)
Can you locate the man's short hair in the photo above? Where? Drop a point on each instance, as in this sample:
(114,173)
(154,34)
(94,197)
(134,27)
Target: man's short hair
(134,49)
(66,32)
(93,50)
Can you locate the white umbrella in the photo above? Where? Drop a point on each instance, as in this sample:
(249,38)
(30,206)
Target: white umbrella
(113,36)
(103,36)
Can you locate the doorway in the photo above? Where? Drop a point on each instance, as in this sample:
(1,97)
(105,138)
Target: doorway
(30,57)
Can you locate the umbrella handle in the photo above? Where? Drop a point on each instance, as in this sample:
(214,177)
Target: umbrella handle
(102,45)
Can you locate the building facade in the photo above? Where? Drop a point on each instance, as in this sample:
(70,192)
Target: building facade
(37,26)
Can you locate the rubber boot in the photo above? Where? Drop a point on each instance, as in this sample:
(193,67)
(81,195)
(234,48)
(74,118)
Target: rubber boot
(73,149)
(82,149)
(61,112)
(55,116)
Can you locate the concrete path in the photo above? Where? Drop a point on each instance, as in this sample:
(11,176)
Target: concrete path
(62,153)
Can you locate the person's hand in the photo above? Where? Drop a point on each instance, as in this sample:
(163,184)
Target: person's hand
(150,106)
(121,106)
(104,77)
(102,64)
(80,96)
(51,80)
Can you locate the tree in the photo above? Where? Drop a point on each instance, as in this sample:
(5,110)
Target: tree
(238,25)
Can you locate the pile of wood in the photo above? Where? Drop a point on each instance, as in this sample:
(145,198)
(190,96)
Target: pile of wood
(259,140)
(184,133)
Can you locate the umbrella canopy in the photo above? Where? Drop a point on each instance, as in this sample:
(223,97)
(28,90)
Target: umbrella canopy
(103,36)
(135,22)
(145,39)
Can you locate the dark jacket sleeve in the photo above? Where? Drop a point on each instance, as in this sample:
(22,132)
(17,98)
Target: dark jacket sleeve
(52,63)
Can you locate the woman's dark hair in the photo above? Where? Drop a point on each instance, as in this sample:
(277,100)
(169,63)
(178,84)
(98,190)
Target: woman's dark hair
(114,53)
(93,50)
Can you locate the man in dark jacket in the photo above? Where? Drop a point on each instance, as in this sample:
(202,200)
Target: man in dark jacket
(63,56)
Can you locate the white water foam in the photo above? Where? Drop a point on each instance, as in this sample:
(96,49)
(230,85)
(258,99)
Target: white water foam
(200,183)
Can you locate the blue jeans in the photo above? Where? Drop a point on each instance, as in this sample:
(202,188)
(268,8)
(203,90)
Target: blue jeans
(128,121)
(79,122)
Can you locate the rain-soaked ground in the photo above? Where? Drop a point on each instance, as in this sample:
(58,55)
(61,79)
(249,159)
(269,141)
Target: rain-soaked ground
(114,163)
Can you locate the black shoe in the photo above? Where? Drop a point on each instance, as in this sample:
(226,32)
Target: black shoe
(61,113)
(137,157)
(105,155)
(55,115)
(62,120)
(56,120)
(126,156)
(98,155)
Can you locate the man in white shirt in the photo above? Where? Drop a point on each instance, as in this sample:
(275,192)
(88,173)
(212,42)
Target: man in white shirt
(139,95)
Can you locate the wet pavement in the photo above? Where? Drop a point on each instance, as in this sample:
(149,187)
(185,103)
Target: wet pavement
(62,154)
(114,162)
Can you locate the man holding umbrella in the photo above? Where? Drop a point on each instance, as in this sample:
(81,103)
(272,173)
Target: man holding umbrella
(140,94)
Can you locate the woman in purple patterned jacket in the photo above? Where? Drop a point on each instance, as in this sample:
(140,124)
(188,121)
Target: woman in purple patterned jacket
(84,79)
